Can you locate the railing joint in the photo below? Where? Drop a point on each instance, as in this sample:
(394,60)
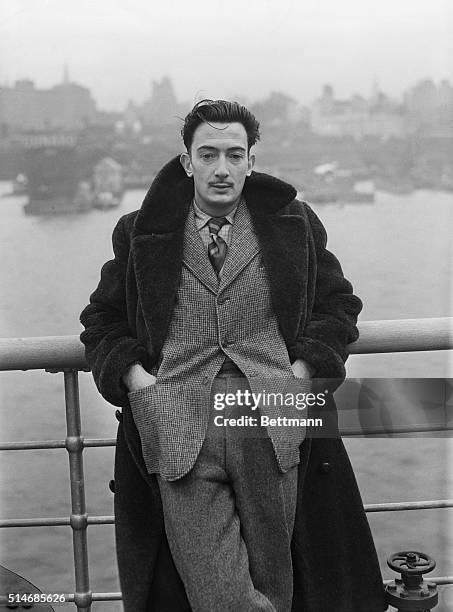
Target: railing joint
(78,522)
(83,599)
(74,444)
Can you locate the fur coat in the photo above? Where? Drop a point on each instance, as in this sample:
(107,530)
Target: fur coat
(335,562)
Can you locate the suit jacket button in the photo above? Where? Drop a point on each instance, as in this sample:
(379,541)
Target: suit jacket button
(112,486)
(325,467)
(119,415)
(205,380)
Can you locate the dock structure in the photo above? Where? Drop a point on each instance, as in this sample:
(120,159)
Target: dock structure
(65,354)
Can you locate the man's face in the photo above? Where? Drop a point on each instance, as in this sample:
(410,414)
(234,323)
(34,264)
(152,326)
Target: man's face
(219,164)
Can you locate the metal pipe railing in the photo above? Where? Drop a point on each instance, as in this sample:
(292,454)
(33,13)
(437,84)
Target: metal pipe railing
(110,520)
(59,521)
(404,335)
(66,353)
(46,444)
(389,336)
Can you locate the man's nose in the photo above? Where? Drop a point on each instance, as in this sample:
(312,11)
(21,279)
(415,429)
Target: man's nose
(221,168)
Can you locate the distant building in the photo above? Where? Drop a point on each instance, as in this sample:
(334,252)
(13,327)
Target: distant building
(162,108)
(24,107)
(430,107)
(357,116)
(422,98)
(277,109)
(132,118)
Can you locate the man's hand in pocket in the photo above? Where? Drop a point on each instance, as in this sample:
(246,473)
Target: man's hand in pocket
(137,378)
(302,369)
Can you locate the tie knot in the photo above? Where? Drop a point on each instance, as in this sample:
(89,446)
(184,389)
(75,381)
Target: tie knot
(216,223)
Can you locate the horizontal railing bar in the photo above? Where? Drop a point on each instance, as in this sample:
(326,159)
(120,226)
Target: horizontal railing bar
(404,335)
(113,596)
(36,522)
(51,444)
(379,431)
(32,445)
(61,521)
(117,596)
(109,520)
(107,596)
(42,352)
(417,505)
(99,442)
(106,442)
(436,579)
(101,520)
(384,336)
(70,597)
(441,580)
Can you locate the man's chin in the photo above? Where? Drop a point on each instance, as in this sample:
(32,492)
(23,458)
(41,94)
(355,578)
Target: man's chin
(222,200)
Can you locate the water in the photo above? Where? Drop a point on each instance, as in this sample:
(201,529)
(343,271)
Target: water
(397,252)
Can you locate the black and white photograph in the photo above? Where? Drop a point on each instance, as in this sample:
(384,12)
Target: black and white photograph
(226,315)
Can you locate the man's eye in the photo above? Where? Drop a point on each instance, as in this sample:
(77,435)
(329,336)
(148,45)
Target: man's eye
(236,156)
(207,156)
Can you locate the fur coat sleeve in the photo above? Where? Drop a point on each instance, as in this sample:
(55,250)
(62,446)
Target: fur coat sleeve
(332,310)
(110,344)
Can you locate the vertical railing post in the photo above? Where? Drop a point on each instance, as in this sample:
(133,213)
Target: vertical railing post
(74,446)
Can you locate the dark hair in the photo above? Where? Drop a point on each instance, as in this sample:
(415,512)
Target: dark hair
(222,111)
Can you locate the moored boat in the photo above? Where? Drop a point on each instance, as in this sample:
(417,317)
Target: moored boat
(52,173)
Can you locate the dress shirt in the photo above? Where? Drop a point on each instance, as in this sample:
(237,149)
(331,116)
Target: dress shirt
(201,222)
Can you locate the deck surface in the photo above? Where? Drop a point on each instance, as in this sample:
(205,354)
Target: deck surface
(11,582)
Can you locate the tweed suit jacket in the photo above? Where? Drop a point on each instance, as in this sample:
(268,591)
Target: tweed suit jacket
(212,319)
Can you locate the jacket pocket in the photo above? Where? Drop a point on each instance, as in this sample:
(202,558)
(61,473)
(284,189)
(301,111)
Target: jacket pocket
(144,391)
(141,403)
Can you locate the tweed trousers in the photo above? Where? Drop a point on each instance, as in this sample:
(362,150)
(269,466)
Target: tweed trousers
(212,319)
(239,508)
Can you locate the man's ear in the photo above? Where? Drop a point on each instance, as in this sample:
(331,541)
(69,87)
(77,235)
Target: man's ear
(184,158)
(251,163)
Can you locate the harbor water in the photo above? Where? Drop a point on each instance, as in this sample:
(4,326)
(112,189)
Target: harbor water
(396,251)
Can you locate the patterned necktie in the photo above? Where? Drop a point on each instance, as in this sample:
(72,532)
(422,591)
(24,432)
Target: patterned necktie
(217,248)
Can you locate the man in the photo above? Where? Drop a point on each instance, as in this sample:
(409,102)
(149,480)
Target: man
(221,284)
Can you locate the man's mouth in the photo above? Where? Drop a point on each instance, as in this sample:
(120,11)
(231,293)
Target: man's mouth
(221,185)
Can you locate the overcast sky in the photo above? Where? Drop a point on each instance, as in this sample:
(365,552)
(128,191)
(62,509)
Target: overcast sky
(222,48)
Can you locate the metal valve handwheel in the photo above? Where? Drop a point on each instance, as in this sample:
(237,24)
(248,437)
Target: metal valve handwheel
(411,562)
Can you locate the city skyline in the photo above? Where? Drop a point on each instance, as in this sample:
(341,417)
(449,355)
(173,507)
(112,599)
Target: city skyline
(65,79)
(426,106)
(117,49)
